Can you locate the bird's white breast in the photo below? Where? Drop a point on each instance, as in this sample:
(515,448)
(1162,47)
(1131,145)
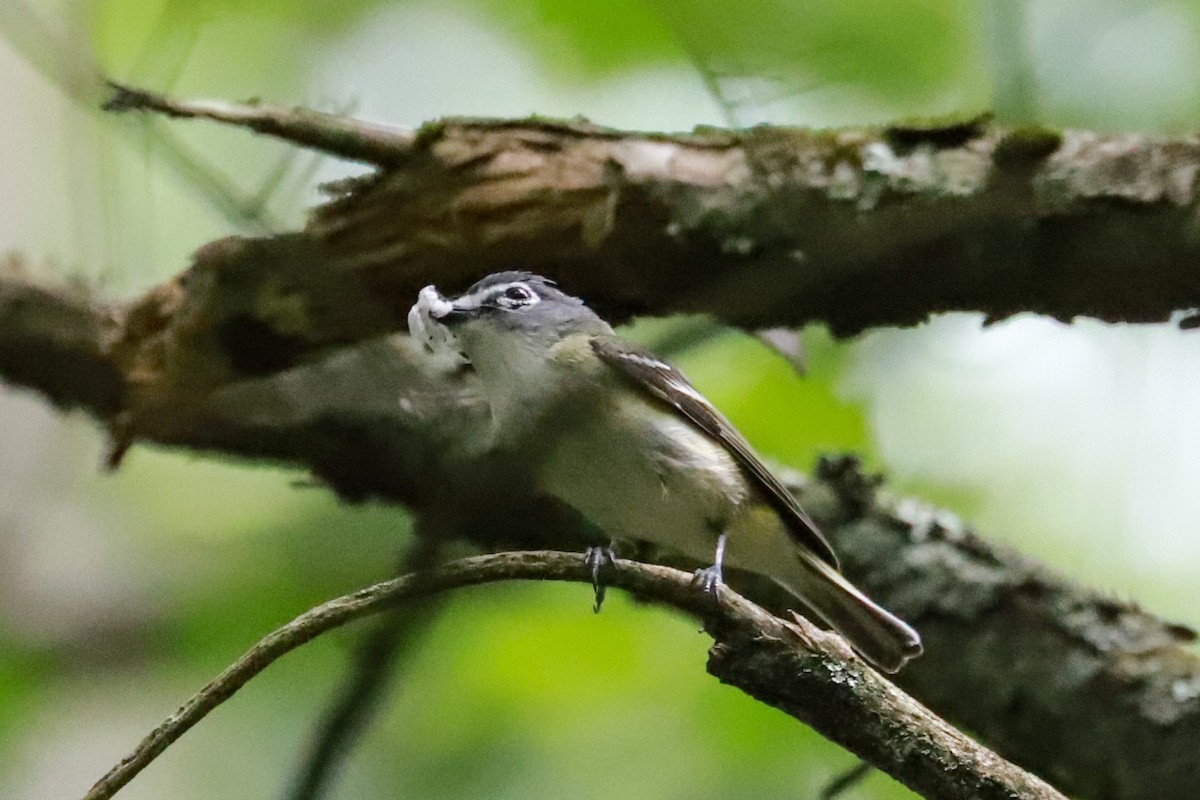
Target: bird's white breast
(639,471)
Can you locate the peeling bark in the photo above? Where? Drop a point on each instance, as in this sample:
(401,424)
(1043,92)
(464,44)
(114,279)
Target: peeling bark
(764,227)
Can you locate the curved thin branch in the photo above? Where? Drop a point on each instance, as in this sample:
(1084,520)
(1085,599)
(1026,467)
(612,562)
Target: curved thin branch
(805,672)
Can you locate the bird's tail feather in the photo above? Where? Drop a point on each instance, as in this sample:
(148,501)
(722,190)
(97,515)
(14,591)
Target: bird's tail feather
(882,638)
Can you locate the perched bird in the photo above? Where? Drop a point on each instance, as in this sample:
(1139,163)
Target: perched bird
(625,439)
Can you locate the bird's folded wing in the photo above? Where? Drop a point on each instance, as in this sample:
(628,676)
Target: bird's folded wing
(668,385)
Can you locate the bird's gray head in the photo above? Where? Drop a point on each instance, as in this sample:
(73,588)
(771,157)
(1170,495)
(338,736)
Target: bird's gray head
(516,305)
(508,326)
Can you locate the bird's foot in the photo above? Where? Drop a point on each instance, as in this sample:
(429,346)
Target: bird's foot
(709,579)
(596,558)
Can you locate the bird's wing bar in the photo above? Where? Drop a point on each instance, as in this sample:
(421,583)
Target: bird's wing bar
(668,385)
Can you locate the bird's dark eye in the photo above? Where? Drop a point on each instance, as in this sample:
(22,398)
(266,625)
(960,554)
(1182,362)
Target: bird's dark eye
(518,294)
(513,297)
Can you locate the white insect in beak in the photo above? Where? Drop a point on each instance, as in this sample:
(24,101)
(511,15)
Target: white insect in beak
(424,326)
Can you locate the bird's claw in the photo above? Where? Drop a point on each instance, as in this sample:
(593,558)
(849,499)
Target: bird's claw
(709,579)
(596,558)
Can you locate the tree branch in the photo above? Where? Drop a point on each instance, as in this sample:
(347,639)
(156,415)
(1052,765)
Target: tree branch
(806,672)
(764,227)
(1097,695)
(329,133)
(55,340)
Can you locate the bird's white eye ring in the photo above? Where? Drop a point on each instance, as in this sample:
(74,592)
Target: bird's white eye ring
(518,294)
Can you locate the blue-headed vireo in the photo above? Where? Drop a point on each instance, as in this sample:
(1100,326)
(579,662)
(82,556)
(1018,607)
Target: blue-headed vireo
(625,439)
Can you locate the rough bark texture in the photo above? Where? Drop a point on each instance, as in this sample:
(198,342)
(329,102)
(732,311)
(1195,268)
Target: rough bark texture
(773,227)
(761,228)
(1094,694)
(283,348)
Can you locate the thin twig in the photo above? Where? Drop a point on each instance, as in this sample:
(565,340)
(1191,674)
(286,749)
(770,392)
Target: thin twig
(796,667)
(51,53)
(846,780)
(357,140)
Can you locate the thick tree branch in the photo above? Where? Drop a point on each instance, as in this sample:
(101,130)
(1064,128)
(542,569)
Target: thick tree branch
(1095,694)
(807,673)
(764,227)
(56,340)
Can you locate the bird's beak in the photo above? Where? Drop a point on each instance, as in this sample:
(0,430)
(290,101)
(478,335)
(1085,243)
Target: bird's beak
(451,314)
(442,309)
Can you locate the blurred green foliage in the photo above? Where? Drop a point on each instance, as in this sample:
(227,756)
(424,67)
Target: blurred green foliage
(903,53)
